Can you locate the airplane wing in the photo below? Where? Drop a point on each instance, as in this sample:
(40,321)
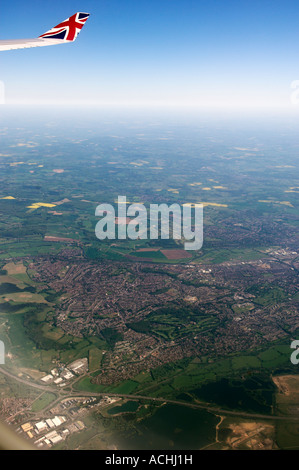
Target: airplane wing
(64,33)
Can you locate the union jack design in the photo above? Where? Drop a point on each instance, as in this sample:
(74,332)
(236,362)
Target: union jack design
(69,29)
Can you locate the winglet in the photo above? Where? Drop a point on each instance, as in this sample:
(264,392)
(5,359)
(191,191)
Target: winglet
(69,29)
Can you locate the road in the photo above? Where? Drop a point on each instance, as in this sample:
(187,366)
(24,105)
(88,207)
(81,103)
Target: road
(204,406)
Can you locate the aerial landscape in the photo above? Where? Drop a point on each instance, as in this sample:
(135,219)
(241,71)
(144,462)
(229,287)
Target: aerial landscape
(145,325)
(140,343)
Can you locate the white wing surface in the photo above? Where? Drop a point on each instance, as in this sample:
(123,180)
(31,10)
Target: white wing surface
(64,33)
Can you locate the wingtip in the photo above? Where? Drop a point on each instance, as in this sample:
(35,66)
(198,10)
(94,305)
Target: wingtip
(69,29)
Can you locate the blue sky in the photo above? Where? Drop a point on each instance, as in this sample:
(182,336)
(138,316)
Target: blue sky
(212,53)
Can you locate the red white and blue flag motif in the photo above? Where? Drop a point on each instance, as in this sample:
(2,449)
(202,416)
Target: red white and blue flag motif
(69,29)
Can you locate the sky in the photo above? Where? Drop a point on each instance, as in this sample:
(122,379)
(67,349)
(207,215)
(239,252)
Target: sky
(200,53)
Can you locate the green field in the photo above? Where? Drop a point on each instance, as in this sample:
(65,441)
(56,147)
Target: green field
(43,401)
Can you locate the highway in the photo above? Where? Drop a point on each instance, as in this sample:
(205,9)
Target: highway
(204,406)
